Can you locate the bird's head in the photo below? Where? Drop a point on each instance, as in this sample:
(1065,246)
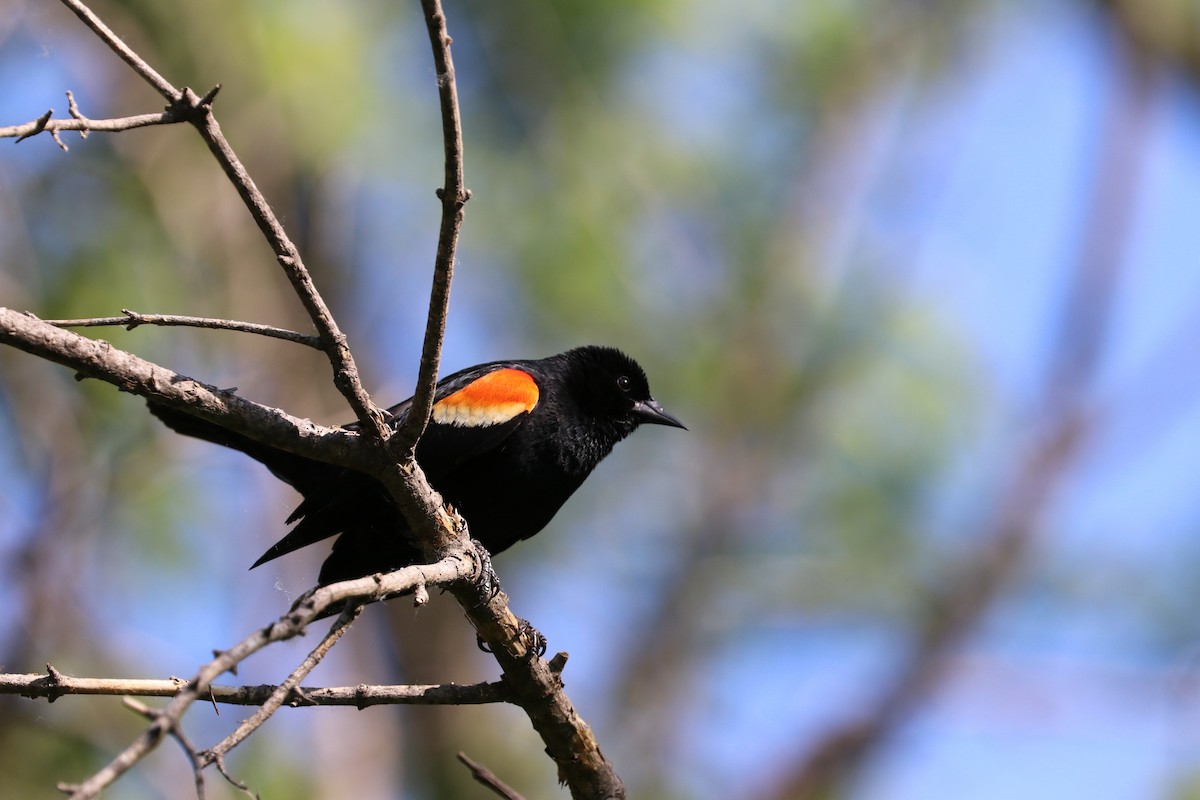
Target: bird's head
(610,385)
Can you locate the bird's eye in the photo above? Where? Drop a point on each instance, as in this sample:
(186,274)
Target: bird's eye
(624,384)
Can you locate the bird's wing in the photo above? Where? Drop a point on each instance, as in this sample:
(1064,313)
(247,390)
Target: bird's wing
(474,411)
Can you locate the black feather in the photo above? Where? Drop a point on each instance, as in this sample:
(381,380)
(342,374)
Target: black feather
(507,479)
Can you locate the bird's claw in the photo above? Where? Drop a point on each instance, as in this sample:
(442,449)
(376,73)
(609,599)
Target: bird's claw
(486,578)
(535,641)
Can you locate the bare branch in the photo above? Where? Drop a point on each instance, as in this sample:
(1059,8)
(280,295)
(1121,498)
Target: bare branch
(488,778)
(345,372)
(453,196)
(221,768)
(306,610)
(132,319)
(54,684)
(198,111)
(536,686)
(193,757)
(288,687)
(440,532)
(46,122)
(92,358)
(123,50)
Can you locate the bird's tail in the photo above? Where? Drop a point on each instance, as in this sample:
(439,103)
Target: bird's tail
(336,500)
(299,472)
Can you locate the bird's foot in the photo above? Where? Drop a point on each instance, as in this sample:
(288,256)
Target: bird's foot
(535,641)
(486,578)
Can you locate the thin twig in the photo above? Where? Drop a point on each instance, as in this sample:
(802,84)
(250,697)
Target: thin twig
(568,739)
(54,684)
(193,757)
(454,196)
(488,778)
(232,781)
(76,114)
(123,50)
(371,418)
(98,359)
(281,693)
(48,123)
(305,611)
(198,111)
(132,319)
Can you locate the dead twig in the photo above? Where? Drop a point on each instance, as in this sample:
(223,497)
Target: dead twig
(454,196)
(305,611)
(91,358)
(78,122)
(132,319)
(193,757)
(198,111)
(488,778)
(53,684)
(288,687)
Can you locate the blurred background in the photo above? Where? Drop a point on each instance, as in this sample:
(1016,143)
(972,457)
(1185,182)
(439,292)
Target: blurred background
(920,276)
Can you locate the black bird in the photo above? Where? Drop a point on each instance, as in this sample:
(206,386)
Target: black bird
(507,444)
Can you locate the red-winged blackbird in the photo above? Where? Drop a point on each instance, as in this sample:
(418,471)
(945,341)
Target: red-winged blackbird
(508,443)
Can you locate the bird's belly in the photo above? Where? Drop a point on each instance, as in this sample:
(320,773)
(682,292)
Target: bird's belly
(500,513)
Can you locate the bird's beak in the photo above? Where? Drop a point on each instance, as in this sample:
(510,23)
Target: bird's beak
(650,411)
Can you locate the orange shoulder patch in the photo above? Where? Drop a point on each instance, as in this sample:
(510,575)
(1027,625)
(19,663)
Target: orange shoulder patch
(495,398)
